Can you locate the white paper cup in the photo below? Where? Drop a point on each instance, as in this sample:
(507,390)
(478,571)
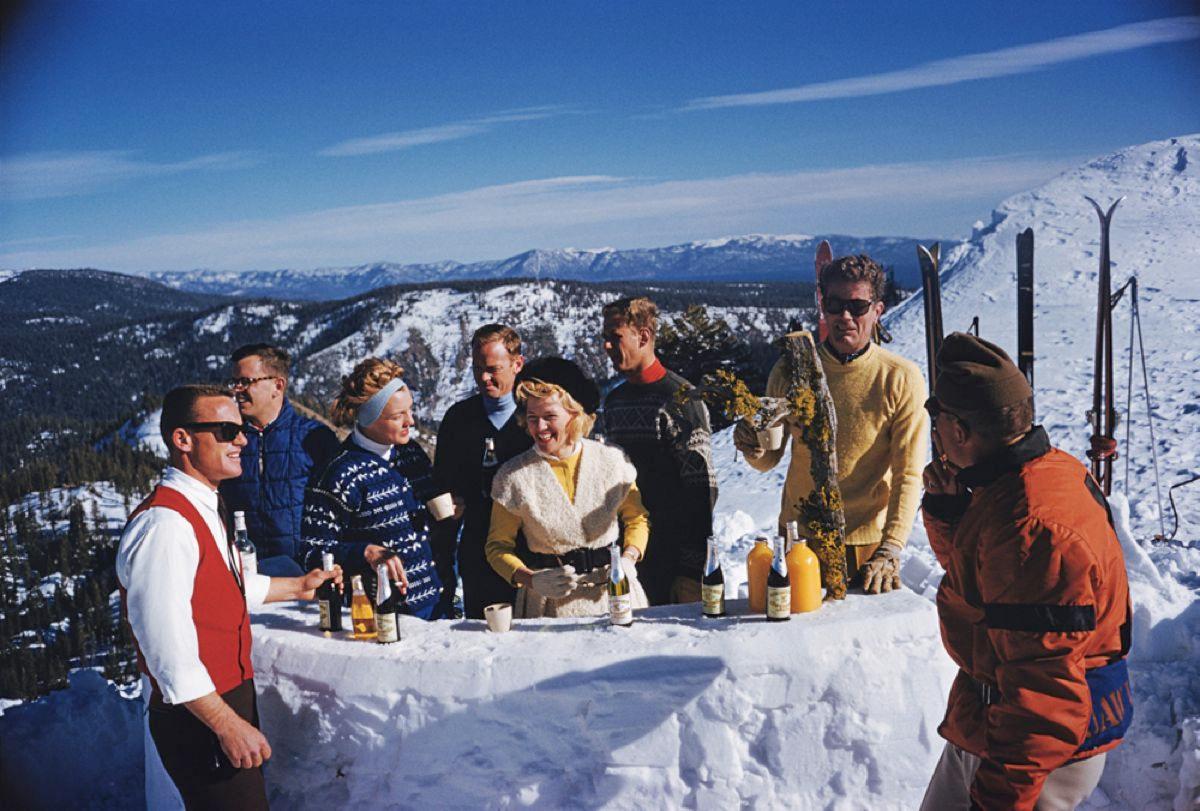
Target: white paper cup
(441,507)
(771,438)
(498,616)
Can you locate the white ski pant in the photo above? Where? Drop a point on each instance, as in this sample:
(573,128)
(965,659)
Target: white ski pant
(1066,787)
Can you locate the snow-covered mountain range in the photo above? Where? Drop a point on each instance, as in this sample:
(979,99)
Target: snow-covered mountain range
(755,257)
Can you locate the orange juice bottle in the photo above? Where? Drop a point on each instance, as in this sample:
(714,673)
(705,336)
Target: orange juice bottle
(804,570)
(758,566)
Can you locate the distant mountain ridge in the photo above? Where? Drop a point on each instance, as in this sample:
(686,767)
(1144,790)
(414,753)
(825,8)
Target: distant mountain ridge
(750,258)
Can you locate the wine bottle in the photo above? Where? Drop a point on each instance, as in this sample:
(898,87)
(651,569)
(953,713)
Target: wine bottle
(620,598)
(779,587)
(361,615)
(329,600)
(241,539)
(489,465)
(712,585)
(387,606)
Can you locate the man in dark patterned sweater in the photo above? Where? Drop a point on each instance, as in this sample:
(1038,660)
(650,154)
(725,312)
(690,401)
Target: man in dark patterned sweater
(670,447)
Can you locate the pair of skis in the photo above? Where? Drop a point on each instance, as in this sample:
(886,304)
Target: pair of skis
(931,289)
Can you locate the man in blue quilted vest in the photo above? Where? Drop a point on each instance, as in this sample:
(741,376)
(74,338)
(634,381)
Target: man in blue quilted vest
(283,450)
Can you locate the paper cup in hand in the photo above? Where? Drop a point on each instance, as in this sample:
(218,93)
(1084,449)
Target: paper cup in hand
(498,616)
(441,507)
(771,438)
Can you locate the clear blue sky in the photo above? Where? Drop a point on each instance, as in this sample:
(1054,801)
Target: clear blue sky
(157,136)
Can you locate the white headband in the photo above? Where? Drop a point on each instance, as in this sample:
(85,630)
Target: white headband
(369,411)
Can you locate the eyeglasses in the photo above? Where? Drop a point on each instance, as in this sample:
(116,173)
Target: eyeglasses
(836,306)
(223,431)
(240,383)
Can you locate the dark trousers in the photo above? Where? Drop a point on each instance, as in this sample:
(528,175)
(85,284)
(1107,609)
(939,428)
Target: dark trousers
(482,587)
(193,758)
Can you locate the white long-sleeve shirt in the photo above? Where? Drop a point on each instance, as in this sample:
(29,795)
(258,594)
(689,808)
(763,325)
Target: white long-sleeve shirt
(156,564)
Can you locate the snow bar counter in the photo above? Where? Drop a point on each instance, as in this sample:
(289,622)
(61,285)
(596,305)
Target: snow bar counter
(675,711)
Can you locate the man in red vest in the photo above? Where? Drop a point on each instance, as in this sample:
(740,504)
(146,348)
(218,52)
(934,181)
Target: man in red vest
(187,602)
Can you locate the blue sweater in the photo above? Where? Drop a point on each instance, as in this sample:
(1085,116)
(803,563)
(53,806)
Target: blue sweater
(277,464)
(364,499)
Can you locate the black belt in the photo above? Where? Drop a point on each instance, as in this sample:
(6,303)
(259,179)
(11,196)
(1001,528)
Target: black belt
(988,695)
(582,560)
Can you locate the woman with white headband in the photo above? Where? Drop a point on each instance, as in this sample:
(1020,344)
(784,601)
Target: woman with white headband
(367,507)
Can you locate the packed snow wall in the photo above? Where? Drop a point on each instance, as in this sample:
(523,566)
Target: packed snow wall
(838,708)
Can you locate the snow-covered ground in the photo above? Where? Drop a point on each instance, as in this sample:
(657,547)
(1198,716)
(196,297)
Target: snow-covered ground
(1156,234)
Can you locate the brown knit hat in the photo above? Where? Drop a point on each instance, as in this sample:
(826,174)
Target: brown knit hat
(976,375)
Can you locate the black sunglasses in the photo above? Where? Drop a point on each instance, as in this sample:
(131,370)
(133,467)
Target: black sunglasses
(836,306)
(223,431)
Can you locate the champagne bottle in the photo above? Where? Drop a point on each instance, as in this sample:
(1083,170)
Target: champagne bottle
(489,465)
(329,600)
(620,598)
(779,587)
(712,585)
(387,606)
(758,562)
(361,614)
(241,539)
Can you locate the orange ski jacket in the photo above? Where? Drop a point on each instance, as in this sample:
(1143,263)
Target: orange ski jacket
(1034,609)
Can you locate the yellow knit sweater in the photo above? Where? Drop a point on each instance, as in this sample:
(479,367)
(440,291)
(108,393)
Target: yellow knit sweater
(501,545)
(882,444)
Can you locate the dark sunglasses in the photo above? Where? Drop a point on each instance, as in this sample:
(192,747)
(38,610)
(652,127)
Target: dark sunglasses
(239,383)
(223,431)
(836,306)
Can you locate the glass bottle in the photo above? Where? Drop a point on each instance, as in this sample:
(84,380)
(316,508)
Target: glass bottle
(329,600)
(489,464)
(620,597)
(712,584)
(758,564)
(387,606)
(804,570)
(361,614)
(779,587)
(241,539)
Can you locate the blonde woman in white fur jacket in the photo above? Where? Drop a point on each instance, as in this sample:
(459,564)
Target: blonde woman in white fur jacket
(571,497)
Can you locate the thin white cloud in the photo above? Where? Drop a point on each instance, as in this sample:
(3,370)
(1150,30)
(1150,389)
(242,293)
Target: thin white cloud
(41,175)
(406,139)
(491,221)
(1004,62)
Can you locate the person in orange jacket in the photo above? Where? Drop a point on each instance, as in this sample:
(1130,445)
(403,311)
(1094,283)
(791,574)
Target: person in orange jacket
(1034,605)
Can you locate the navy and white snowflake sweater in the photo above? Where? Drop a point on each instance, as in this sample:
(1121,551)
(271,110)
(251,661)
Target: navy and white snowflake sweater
(364,499)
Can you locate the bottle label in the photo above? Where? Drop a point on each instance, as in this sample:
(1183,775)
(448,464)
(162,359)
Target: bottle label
(713,598)
(779,602)
(326,622)
(249,564)
(389,631)
(620,609)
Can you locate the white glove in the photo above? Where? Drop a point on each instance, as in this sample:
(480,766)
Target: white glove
(554,584)
(745,439)
(882,571)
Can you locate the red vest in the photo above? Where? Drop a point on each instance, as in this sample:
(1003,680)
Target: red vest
(218,605)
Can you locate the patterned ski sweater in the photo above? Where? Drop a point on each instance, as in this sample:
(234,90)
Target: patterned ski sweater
(364,499)
(672,451)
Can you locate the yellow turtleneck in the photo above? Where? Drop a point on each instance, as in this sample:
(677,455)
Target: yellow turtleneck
(882,444)
(501,543)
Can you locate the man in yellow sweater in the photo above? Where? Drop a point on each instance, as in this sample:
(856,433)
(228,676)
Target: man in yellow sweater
(882,428)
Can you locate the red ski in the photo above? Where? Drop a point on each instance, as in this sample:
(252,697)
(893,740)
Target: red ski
(824,257)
